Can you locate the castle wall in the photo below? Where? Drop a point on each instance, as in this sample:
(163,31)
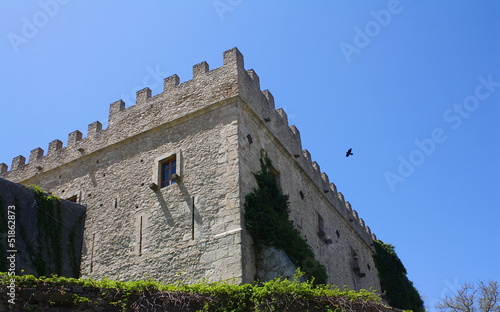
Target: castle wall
(135,229)
(132,231)
(48,236)
(298,174)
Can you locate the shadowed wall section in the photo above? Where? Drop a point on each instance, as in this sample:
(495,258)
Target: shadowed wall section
(43,234)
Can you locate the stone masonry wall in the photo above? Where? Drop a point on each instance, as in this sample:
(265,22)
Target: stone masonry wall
(348,242)
(46,241)
(337,256)
(134,231)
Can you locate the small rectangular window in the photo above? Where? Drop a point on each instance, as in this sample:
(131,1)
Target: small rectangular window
(321,226)
(168,169)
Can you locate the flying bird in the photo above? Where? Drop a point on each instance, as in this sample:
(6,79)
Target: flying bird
(349,153)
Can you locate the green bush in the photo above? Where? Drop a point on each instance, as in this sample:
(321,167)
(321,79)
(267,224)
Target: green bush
(275,295)
(399,289)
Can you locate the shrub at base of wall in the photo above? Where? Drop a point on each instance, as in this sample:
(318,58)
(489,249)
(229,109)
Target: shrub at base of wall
(395,284)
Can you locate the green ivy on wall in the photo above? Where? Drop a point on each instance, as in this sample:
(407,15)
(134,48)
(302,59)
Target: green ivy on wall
(267,220)
(399,289)
(42,241)
(49,227)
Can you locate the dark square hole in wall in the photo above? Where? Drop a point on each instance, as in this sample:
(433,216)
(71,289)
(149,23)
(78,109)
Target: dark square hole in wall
(321,227)
(250,139)
(338,233)
(301,194)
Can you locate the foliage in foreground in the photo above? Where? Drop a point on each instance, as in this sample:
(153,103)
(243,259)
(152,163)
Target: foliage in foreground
(485,297)
(275,295)
(267,220)
(399,289)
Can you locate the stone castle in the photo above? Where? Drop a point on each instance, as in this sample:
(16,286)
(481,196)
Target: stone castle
(165,183)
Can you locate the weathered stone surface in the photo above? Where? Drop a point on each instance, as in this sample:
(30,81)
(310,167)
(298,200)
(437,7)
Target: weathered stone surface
(53,247)
(137,229)
(273,263)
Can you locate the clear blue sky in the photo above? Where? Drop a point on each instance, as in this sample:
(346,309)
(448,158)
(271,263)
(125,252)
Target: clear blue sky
(412,86)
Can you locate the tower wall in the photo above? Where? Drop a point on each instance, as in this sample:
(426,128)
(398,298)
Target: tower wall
(348,242)
(135,229)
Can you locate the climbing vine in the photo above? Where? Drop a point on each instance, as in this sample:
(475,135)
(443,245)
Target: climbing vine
(49,238)
(399,289)
(46,241)
(267,220)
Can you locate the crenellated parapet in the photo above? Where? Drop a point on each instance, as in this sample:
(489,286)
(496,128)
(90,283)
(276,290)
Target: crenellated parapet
(276,120)
(207,87)
(227,83)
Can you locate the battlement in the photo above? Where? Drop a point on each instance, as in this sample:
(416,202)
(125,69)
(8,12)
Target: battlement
(276,120)
(177,100)
(229,83)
